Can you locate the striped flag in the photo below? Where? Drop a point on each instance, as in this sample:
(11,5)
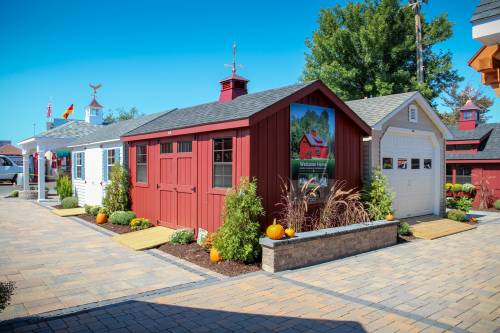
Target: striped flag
(49,110)
(68,112)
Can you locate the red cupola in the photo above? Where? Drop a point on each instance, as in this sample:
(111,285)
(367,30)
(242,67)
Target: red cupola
(234,85)
(469,116)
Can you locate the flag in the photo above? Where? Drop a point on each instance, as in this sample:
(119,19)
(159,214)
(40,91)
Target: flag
(49,110)
(68,112)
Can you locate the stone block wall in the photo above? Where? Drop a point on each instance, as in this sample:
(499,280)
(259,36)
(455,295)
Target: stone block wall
(314,247)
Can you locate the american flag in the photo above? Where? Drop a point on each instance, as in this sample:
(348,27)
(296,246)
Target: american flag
(49,110)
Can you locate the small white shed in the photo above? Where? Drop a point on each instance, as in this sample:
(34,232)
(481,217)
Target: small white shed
(408,144)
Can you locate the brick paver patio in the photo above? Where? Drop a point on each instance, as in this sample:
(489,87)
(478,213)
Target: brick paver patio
(448,284)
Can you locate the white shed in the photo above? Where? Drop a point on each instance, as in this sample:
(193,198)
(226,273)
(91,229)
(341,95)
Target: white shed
(408,144)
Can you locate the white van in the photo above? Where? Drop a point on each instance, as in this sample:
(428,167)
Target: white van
(9,169)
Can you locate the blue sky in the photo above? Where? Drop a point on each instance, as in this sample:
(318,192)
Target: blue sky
(156,55)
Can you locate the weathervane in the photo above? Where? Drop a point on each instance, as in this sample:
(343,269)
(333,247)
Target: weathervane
(234,65)
(94,88)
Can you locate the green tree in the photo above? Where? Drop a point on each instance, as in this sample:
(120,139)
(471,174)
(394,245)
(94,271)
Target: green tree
(367,49)
(121,114)
(455,99)
(116,197)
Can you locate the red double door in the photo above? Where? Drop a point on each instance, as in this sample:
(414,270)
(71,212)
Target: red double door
(176,184)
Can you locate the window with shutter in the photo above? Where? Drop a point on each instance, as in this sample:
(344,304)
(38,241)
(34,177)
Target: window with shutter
(413,114)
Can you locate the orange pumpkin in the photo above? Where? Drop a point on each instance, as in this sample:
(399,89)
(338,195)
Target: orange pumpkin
(101,218)
(275,231)
(390,217)
(215,255)
(289,232)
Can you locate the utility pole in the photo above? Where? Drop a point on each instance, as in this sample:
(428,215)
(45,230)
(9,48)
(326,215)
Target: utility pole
(416,5)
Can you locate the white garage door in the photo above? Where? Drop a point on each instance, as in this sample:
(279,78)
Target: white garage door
(410,160)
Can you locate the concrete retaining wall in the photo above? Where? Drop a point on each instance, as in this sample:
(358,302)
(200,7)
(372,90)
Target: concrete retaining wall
(314,247)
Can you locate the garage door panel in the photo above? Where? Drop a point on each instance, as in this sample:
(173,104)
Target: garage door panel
(414,189)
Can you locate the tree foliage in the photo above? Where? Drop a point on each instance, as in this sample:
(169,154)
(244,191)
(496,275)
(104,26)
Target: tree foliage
(377,197)
(455,99)
(120,114)
(367,49)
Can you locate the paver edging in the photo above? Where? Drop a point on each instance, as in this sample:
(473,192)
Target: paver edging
(314,247)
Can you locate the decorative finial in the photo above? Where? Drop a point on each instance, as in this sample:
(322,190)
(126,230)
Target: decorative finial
(234,66)
(94,88)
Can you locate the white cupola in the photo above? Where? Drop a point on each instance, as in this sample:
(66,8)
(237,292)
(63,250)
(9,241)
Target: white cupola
(93,112)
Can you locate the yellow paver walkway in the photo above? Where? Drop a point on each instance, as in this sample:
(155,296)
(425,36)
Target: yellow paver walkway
(145,239)
(439,228)
(69,211)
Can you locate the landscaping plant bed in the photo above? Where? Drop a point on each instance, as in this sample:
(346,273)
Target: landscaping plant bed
(119,229)
(406,238)
(58,207)
(197,255)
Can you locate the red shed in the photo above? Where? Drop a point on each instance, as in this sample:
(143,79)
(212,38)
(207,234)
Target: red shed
(312,146)
(183,163)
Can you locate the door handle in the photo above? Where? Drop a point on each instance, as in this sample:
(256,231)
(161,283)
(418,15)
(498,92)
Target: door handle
(157,186)
(193,189)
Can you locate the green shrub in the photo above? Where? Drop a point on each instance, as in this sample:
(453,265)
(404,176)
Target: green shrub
(6,291)
(468,188)
(139,224)
(117,191)
(13,194)
(448,186)
(63,187)
(94,210)
(464,204)
(122,217)
(451,203)
(87,208)
(238,238)
(497,204)
(404,229)
(69,202)
(457,215)
(457,188)
(182,236)
(103,210)
(377,197)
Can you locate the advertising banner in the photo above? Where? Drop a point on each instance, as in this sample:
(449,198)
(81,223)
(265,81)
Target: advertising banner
(312,143)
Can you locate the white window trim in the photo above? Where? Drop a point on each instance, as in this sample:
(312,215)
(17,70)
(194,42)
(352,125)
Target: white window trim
(412,111)
(82,165)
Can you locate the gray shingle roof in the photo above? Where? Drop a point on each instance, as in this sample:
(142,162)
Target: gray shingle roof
(71,129)
(239,108)
(485,10)
(115,130)
(372,110)
(474,134)
(488,150)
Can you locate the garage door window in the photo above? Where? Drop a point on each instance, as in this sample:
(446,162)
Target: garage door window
(427,163)
(415,163)
(387,163)
(402,163)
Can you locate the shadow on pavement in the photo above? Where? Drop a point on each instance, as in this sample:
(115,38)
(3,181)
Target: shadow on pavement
(140,316)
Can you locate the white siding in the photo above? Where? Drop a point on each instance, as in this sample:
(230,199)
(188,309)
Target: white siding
(91,190)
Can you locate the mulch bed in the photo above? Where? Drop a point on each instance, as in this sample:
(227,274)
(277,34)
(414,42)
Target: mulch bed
(197,255)
(406,238)
(119,229)
(58,207)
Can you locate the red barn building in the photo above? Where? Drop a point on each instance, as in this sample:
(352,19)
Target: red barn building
(182,163)
(473,156)
(313,146)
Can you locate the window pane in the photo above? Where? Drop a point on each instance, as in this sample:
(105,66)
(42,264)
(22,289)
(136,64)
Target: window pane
(428,164)
(228,143)
(228,156)
(218,144)
(222,162)
(184,147)
(415,163)
(141,173)
(402,163)
(217,156)
(166,148)
(387,163)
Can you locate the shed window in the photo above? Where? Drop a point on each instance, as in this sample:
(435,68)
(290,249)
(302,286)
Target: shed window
(79,165)
(166,148)
(427,163)
(467,115)
(111,160)
(141,163)
(464,173)
(223,162)
(184,147)
(449,173)
(415,163)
